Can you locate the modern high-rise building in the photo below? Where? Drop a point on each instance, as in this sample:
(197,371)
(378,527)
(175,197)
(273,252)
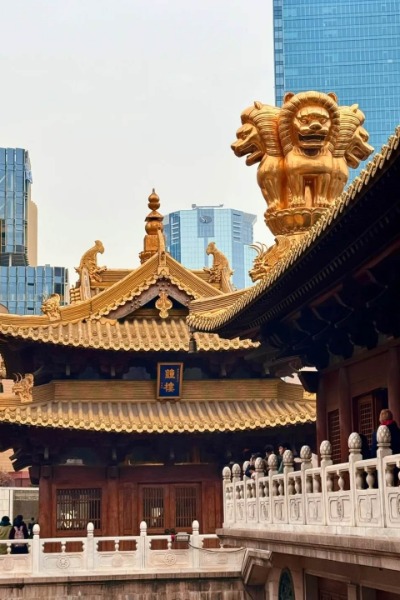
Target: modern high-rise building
(188,233)
(23,284)
(348,47)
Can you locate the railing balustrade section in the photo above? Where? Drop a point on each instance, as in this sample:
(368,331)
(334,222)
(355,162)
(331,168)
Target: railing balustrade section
(117,554)
(352,498)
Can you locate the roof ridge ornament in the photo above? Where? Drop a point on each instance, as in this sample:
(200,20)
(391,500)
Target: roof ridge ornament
(304,151)
(154,226)
(220,271)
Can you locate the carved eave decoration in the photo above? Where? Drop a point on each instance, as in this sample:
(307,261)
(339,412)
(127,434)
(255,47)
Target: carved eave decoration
(225,318)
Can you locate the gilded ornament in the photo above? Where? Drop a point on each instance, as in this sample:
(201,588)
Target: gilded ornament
(220,271)
(163,304)
(23,387)
(51,307)
(268,257)
(88,263)
(304,151)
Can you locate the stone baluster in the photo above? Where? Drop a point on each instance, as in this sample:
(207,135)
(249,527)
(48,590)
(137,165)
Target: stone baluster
(195,544)
(354,444)
(306,482)
(326,481)
(36,550)
(244,467)
(305,455)
(259,472)
(288,462)
(235,473)
(236,491)
(385,475)
(142,545)
(259,468)
(371,477)
(226,486)
(272,464)
(90,547)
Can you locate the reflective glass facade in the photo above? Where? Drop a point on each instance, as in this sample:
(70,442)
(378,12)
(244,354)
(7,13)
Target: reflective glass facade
(22,287)
(346,46)
(15,181)
(188,233)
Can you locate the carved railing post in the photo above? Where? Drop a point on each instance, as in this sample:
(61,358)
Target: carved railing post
(195,544)
(143,545)
(227,495)
(259,466)
(89,547)
(354,444)
(36,550)
(305,456)
(235,480)
(385,474)
(326,461)
(288,467)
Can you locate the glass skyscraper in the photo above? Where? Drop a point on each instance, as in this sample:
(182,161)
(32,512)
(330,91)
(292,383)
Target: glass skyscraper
(348,47)
(23,284)
(188,233)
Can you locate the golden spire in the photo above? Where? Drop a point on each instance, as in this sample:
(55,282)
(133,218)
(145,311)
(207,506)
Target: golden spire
(154,225)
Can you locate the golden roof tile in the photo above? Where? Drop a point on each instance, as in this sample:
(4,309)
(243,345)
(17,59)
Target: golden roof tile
(147,334)
(230,406)
(201,317)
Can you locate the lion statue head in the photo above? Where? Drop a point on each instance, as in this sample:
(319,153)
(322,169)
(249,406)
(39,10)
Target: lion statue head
(309,122)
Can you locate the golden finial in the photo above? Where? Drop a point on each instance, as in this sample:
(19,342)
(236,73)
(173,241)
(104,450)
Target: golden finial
(154,224)
(154,200)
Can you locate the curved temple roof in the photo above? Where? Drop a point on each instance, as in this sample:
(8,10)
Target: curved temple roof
(222,313)
(205,406)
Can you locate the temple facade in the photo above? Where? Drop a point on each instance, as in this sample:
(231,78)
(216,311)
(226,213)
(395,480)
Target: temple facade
(121,413)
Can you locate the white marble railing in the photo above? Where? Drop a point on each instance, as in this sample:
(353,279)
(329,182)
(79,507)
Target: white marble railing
(116,554)
(352,498)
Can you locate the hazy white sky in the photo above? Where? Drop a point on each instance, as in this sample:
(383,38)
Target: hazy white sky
(112,98)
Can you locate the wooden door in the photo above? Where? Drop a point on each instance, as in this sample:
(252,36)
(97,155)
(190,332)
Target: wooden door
(169,507)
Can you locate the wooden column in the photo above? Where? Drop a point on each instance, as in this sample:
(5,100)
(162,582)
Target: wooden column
(345,412)
(393,382)
(322,426)
(112,524)
(45,518)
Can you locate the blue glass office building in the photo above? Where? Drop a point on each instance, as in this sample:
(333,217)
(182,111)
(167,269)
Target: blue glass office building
(348,47)
(22,287)
(188,233)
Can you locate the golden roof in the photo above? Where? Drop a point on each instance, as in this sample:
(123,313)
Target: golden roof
(206,318)
(146,334)
(85,324)
(206,406)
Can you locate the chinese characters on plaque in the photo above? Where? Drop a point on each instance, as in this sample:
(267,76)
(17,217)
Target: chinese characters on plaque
(169,381)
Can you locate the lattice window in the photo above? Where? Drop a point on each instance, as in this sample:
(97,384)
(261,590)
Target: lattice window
(78,507)
(365,417)
(153,506)
(334,434)
(185,506)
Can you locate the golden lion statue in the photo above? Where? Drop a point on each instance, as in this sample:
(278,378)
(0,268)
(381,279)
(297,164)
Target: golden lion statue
(303,149)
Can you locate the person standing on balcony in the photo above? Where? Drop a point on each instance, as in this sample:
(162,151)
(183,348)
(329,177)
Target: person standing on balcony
(386,418)
(5,528)
(281,449)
